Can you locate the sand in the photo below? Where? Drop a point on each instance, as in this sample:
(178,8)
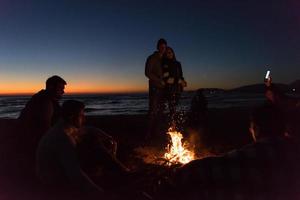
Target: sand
(227,130)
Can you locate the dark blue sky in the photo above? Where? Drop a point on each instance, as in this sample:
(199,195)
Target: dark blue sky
(103,45)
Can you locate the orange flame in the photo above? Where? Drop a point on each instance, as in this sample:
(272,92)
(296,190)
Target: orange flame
(176,151)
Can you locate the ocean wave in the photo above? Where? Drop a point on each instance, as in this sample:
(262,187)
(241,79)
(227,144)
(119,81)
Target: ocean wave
(130,103)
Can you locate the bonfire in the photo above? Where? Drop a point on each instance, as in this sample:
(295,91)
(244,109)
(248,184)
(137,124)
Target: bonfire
(177,152)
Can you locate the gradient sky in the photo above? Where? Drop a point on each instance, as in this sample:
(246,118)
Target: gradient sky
(101,46)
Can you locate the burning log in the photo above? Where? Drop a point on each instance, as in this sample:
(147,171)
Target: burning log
(178,152)
(160,164)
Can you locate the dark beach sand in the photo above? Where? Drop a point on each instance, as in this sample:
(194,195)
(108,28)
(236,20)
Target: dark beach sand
(227,130)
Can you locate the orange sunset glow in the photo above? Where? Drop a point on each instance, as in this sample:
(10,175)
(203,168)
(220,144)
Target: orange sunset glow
(79,88)
(86,83)
(16,84)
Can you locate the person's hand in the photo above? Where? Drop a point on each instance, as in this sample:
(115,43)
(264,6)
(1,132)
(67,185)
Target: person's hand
(268,82)
(170,80)
(184,83)
(126,169)
(163,84)
(166,74)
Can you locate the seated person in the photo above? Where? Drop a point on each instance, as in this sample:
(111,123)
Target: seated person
(198,111)
(265,169)
(57,162)
(278,98)
(290,106)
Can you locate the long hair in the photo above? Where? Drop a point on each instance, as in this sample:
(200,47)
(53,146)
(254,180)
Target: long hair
(170,49)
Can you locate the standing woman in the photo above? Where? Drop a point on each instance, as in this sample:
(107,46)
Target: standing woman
(173,79)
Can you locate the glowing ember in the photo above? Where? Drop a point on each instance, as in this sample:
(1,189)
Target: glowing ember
(176,151)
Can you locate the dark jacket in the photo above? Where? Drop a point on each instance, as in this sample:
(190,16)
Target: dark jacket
(153,70)
(57,162)
(290,109)
(39,114)
(172,69)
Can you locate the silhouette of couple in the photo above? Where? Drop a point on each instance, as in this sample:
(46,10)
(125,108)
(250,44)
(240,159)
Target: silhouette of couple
(166,83)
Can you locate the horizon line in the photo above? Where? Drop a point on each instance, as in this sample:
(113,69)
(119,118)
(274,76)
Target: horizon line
(82,93)
(71,93)
(118,92)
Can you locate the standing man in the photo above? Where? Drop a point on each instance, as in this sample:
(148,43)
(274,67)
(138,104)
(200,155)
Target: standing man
(154,72)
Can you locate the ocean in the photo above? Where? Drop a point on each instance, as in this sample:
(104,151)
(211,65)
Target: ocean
(131,104)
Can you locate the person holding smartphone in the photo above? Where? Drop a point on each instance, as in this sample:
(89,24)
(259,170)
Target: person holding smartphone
(290,106)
